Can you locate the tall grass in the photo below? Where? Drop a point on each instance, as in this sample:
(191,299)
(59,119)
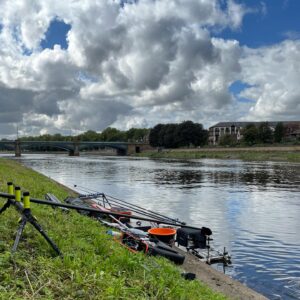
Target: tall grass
(94,266)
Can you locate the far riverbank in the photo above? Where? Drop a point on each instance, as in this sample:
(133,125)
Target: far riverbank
(288,153)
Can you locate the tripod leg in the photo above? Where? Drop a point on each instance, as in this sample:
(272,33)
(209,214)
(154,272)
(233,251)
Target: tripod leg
(5,206)
(19,234)
(38,227)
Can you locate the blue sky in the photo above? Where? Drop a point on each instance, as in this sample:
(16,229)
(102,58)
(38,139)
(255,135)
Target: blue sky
(56,34)
(270,22)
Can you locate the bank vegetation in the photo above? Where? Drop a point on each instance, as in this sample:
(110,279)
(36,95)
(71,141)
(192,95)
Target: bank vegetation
(279,153)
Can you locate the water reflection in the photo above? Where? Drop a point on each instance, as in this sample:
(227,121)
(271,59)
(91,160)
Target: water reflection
(253,208)
(181,178)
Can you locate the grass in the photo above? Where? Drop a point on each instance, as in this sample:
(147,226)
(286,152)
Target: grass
(290,156)
(94,265)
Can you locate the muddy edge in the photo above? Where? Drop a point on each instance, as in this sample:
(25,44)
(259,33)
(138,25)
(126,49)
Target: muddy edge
(216,280)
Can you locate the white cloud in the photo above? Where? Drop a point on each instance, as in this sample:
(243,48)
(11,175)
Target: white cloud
(264,8)
(292,35)
(273,71)
(137,65)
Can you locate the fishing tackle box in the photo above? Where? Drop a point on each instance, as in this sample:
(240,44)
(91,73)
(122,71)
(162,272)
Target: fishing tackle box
(192,238)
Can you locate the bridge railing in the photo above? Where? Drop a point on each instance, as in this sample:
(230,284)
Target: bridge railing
(74,147)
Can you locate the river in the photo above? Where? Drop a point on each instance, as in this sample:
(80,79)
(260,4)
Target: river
(253,208)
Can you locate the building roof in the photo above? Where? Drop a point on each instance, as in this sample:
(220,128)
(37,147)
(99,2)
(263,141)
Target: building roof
(243,124)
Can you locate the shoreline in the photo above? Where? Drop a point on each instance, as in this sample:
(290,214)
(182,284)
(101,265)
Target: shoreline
(218,281)
(278,154)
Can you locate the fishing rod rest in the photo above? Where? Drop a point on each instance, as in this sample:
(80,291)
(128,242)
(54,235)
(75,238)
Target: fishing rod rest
(26,215)
(10,190)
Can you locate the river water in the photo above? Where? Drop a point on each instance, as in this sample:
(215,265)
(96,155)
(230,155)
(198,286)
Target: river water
(253,208)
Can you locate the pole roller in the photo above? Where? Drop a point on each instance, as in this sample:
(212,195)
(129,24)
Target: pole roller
(18,194)
(10,188)
(26,200)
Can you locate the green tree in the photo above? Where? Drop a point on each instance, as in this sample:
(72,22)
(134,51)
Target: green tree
(227,140)
(89,135)
(58,137)
(279,132)
(189,133)
(265,134)
(154,135)
(137,134)
(250,134)
(111,134)
(169,135)
(175,135)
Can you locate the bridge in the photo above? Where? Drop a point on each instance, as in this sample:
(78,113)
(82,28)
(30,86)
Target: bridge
(74,147)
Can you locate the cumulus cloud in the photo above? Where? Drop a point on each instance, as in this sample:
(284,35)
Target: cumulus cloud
(134,63)
(273,74)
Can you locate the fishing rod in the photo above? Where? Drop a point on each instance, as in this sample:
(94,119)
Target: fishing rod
(136,210)
(144,210)
(110,199)
(77,207)
(133,207)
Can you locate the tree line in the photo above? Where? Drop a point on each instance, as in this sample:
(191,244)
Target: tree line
(110,134)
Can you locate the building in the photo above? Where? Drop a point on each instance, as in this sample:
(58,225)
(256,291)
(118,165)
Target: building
(292,130)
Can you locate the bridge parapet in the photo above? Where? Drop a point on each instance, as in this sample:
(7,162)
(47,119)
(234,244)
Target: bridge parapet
(74,148)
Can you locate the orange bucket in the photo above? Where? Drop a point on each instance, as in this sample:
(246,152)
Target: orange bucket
(165,235)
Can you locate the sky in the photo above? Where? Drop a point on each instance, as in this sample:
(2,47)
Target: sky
(76,65)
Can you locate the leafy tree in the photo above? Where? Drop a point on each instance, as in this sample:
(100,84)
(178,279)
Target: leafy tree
(279,132)
(178,135)
(265,134)
(154,135)
(227,140)
(58,137)
(137,134)
(90,135)
(169,135)
(250,134)
(111,134)
(189,133)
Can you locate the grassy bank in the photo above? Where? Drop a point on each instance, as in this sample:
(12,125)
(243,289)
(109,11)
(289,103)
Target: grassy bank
(94,266)
(232,153)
